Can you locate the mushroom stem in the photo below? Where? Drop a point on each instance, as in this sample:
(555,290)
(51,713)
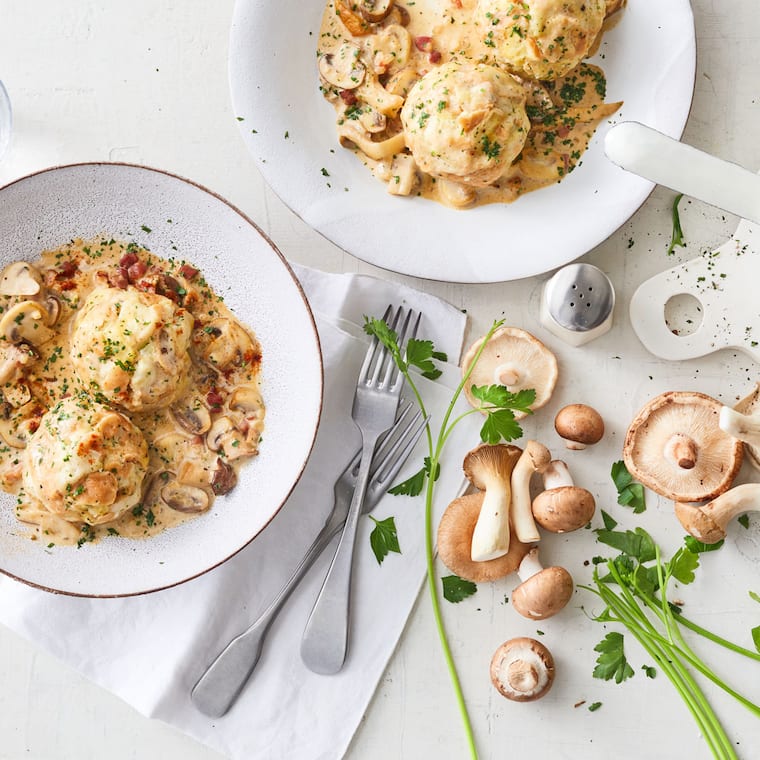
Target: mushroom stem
(707,523)
(506,374)
(490,539)
(745,427)
(681,451)
(535,458)
(556,475)
(530,565)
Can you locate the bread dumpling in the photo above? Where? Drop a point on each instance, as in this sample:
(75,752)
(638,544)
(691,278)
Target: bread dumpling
(85,462)
(132,347)
(540,39)
(465,123)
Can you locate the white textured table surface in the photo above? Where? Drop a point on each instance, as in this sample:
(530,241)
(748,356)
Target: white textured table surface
(146,82)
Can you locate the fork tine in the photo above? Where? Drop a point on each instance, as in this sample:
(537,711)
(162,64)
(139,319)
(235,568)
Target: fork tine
(401,449)
(392,371)
(372,352)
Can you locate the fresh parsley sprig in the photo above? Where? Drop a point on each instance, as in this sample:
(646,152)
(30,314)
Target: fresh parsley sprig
(634,590)
(499,405)
(630,493)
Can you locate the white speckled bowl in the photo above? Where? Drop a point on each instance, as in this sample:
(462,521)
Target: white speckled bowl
(45,210)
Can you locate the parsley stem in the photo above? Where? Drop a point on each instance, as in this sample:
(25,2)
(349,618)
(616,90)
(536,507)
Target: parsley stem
(714,637)
(436,605)
(629,613)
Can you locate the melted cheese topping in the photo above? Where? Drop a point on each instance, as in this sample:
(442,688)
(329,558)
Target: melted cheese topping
(371,70)
(130,392)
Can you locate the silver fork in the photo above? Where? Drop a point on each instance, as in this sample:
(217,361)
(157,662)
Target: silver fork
(218,688)
(325,637)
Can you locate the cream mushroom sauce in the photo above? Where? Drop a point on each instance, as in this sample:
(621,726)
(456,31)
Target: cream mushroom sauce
(196,443)
(368,67)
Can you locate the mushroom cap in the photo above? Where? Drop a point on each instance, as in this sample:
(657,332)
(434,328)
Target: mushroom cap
(682,416)
(563,509)
(579,423)
(543,594)
(455,543)
(522,669)
(486,459)
(750,404)
(698,523)
(512,355)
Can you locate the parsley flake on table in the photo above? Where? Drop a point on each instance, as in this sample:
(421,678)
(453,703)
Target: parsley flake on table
(455,589)
(630,493)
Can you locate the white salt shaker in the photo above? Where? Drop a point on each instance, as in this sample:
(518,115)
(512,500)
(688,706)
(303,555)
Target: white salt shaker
(577,303)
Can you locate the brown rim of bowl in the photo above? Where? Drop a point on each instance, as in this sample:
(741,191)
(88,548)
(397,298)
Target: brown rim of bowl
(316,338)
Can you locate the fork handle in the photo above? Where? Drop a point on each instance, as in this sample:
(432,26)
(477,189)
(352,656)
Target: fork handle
(325,637)
(219,687)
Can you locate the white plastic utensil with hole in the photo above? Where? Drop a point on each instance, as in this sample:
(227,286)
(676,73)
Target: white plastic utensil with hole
(721,280)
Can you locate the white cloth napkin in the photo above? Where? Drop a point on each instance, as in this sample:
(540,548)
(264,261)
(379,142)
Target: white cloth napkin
(150,650)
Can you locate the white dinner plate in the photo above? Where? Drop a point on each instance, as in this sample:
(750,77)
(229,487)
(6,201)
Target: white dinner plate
(649,59)
(47,209)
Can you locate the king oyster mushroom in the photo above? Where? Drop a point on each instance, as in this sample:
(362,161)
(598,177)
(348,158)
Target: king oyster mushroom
(707,523)
(675,446)
(455,543)
(515,359)
(489,468)
(743,422)
(342,68)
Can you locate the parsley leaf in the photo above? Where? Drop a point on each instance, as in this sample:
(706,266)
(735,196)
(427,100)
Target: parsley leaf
(384,538)
(756,637)
(650,670)
(753,595)
(611,662)
(697,547)
(610,523)
(413,486)
(630,493)
(743,520)
(683,564)
(594,706)
(455,589)
(420,354)
(635,543)
(500,425)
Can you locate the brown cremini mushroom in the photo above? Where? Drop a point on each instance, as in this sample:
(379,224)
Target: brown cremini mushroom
(25,322)
(675,447)
(707,523)
(515,359)
(535,458)
(579,426)
(543,591)
(562,506)
(522,669)
(455,543)
(375,10)
(489,468)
